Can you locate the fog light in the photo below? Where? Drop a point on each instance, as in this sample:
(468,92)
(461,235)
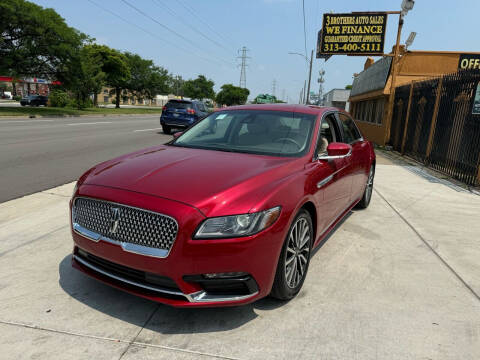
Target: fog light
(225,275)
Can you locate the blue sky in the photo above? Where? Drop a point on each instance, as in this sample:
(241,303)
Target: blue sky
(268,28)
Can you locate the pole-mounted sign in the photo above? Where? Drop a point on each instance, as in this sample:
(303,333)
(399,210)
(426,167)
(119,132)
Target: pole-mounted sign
(352,34)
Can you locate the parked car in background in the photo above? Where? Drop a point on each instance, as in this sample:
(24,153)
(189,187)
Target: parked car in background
(34,100)
(180,114)
(7,95)
(226,213)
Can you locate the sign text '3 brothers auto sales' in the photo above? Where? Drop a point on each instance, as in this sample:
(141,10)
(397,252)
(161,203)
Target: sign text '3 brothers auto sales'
(353,34)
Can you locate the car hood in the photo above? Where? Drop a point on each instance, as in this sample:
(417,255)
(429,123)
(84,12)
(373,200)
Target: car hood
(215,182)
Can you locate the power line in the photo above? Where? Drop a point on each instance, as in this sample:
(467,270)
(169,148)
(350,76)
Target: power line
(178,17)
(192,11)
(150,33)
(243,67)
(164,26)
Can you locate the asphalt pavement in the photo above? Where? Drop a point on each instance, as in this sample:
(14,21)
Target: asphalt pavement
(41,153)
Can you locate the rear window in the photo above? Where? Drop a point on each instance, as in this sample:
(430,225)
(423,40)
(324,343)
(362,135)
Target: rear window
(179,105)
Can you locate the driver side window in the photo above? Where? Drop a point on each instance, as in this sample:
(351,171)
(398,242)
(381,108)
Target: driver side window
(328,134)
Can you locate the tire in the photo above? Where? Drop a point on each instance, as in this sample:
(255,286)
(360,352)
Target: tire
(287,284)
(367,194)
(166,129)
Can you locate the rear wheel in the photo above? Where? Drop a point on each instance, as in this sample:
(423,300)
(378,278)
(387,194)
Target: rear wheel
(166,129)
(294,259)
(367,195)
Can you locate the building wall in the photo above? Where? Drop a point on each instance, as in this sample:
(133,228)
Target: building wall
(413,66)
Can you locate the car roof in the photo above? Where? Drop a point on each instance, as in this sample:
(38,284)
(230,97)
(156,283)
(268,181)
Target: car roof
(180,101)
(304,109)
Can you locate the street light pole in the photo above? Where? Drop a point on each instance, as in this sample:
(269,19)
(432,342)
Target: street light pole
(309,80)
(306,96)
(407,5)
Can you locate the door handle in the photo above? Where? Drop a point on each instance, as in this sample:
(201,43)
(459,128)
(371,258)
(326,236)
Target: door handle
(324,181)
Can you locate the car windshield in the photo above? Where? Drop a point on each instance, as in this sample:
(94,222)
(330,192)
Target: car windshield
(275,133)
(179,105)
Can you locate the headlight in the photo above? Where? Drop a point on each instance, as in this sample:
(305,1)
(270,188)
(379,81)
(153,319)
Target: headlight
(237,225)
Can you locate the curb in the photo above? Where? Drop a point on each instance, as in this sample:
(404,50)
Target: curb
(4,117)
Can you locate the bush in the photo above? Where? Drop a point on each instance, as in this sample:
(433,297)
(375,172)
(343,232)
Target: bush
(80,104)
(58,98)
(17,98)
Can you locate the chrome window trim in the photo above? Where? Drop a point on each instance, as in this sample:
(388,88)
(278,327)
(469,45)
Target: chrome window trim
(328,157)
(128,247)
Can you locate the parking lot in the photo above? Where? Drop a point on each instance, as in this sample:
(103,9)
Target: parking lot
(400,280)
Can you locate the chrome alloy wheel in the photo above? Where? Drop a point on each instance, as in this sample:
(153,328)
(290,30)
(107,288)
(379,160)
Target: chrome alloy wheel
(298,251)
(369,189)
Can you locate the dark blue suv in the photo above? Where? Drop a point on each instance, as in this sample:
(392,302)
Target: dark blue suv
(181,114)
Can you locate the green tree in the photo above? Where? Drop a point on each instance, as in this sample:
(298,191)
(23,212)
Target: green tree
(35,41)
(146,80)
(232,95)
(199,88)
(348,87)
(84,75)
(176,85)
(114,65)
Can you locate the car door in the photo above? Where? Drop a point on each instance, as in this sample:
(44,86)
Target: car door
(357,172)
(328,177)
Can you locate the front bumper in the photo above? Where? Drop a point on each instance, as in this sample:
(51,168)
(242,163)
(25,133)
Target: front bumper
(188,259)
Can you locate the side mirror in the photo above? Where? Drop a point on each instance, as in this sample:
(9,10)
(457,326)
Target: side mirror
(177,134)
(337,150)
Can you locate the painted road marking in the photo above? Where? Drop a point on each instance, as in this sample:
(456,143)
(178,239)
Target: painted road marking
(147,129)
(22,121)
(91,123)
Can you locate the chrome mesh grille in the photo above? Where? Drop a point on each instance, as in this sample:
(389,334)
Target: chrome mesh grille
(135,226)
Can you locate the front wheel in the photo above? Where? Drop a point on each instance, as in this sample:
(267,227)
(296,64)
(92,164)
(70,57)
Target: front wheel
(294,259)
(367,195)
(166,129)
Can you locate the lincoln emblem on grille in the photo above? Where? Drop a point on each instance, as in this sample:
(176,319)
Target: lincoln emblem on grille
(114,219)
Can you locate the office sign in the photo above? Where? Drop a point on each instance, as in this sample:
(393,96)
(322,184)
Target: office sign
(469,62)
(353,34)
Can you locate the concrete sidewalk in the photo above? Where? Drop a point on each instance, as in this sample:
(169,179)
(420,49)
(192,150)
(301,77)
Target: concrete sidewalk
(399,280)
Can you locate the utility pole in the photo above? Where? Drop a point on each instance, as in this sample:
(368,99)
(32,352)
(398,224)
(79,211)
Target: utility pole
(243,66)
(320,81)
(309,79)
(304,98)
(300,99)
(407,5)
(274,87)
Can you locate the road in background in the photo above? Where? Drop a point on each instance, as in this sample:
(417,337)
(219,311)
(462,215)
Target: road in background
(38,154)
(10,103)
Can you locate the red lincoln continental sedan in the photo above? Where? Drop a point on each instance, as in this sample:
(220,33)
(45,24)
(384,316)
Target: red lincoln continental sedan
(227,212)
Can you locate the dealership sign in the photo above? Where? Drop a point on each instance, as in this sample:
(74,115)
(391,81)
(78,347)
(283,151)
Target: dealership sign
(469,62)
(352,34)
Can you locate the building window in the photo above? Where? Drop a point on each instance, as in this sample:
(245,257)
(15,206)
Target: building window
(370,111)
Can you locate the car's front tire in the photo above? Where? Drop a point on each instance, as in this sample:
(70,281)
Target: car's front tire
(367,194)
(166,129)
(294,259)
